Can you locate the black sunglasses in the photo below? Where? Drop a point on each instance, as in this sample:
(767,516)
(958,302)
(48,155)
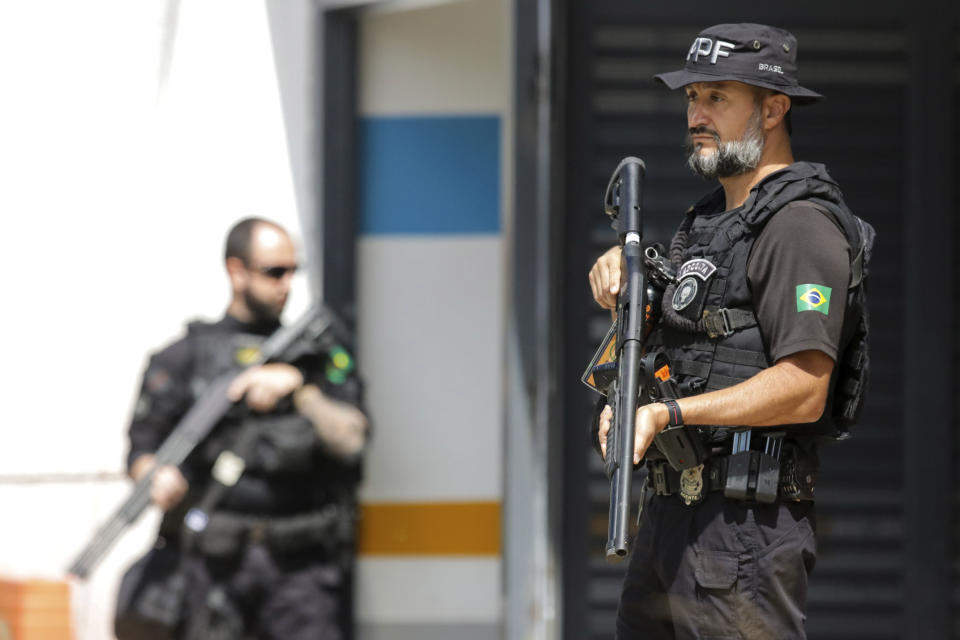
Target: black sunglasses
(277,273)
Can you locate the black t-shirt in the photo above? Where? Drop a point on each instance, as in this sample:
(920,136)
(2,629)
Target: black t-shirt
(799,271)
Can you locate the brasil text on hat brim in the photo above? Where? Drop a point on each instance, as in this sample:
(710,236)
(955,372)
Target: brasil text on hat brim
(683,77)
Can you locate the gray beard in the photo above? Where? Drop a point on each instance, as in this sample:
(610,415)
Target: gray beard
(731,158)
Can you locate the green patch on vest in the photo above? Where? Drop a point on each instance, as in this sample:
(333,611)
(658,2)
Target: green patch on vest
(813,297)
(339,365)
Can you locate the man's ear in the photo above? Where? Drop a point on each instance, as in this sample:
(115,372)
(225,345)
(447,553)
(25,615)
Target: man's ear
(237,272)
(775,108)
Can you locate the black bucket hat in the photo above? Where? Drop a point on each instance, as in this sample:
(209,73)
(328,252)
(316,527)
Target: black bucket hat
(754,54)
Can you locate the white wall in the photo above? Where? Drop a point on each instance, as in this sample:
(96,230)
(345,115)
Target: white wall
(431,301)
(134,134)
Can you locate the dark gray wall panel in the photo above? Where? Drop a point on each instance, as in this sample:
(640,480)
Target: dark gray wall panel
(866,133)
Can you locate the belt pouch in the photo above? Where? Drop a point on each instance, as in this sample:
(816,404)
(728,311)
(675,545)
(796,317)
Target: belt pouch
(658,473)
(768,475)
(738,474)
(682,447)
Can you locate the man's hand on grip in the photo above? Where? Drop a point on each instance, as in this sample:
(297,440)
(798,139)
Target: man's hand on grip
(605,417)
(168,485)
(266,385)
(651,420)
(605,278)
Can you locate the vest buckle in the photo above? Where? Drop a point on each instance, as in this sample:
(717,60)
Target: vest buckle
(717,323)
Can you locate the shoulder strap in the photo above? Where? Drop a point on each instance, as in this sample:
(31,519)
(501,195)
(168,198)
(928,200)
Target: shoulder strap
(227,469)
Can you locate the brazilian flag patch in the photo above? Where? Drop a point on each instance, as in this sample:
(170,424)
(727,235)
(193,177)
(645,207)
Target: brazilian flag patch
(813,297)
(339,365)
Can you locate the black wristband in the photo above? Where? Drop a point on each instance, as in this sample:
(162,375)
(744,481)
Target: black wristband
(676,418)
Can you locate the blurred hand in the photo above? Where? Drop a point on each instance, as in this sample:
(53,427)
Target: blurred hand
(168,486)
(605,278)
(264,386)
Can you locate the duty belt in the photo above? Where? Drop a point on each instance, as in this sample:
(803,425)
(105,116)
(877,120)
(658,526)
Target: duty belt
(750,475)
(666,481)
(228,533)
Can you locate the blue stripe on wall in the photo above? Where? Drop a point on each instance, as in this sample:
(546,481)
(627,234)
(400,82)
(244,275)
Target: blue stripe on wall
(429,175)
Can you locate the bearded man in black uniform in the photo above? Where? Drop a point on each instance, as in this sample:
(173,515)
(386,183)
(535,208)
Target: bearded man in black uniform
(274,560)
(754,326)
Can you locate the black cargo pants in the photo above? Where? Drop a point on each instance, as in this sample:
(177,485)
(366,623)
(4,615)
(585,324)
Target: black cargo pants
(719,570)
(296,596)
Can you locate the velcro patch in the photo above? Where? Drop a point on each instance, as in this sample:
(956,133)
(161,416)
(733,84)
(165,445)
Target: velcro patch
(813,297)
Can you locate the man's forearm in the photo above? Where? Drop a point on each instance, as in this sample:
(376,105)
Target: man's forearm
(792,391)
(340,426)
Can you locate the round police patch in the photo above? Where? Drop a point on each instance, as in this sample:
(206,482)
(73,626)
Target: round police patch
(685,293)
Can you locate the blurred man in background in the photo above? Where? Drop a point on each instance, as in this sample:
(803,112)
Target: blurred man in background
(274,559)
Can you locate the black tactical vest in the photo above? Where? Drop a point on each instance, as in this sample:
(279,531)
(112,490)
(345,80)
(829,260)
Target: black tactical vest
(708,328)
(285,471)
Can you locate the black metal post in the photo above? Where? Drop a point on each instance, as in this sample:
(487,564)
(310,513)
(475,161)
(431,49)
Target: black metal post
(338,179)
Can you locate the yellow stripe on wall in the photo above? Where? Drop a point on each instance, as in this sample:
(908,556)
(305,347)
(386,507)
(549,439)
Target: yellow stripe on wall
(435,528)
